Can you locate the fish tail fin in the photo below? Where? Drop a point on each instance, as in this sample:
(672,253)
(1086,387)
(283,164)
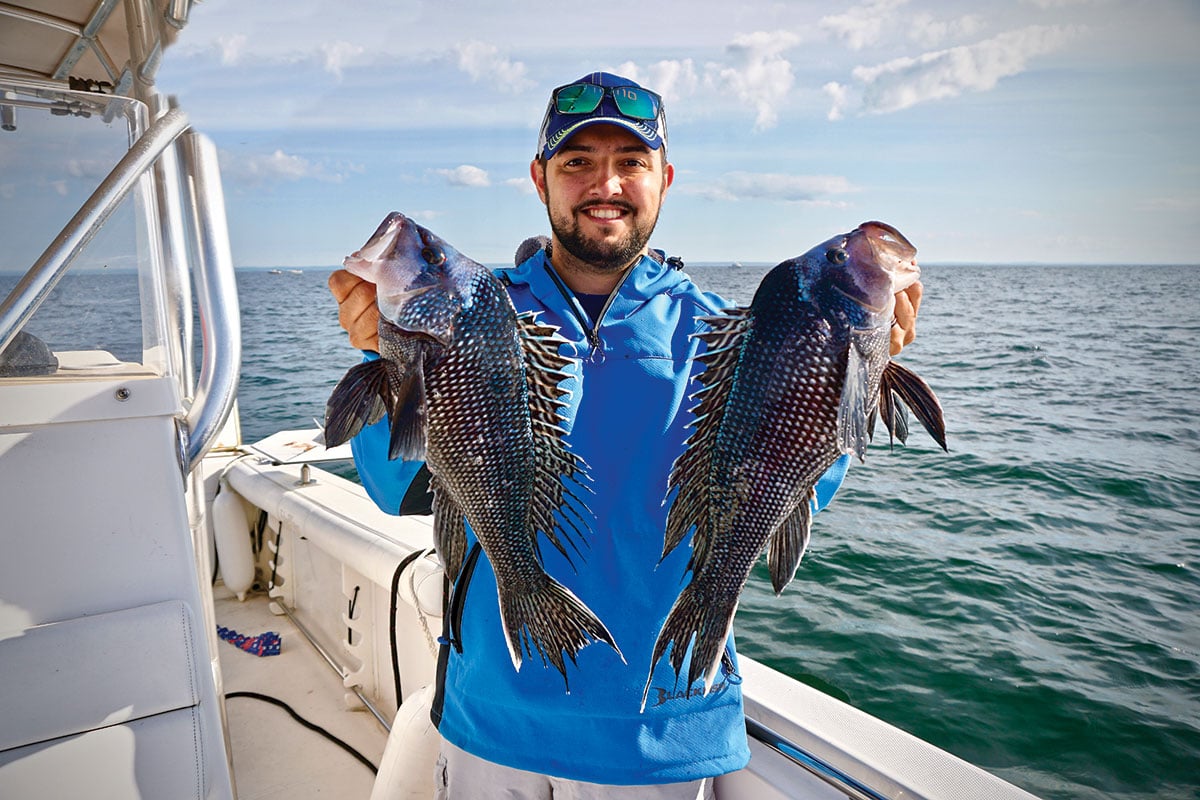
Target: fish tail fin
(915,393)
(694,616)
(550,620)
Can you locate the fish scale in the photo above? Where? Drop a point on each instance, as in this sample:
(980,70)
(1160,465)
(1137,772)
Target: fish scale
(790,383)
(471,387)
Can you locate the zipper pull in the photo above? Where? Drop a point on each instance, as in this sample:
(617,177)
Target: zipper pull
(596,354)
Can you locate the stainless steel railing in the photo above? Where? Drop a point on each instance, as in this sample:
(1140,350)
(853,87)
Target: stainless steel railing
(216,295)
(852,788)
(216,290)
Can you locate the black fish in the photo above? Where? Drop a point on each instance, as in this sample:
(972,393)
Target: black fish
(790,384)
(471,387)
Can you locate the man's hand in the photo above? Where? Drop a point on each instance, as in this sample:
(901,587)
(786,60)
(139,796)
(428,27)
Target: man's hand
(904,329)
(357,312)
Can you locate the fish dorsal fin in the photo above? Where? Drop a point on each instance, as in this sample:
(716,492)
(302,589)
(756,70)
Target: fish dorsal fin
(789,541)
(690,473)
(559,475)
(859,397)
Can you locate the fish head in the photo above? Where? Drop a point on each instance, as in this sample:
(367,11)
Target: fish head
(869,265)
(422,283)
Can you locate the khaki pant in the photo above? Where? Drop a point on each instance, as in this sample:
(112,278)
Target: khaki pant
(462,776)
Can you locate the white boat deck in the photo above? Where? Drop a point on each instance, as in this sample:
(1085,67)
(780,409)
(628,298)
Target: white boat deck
(273,755)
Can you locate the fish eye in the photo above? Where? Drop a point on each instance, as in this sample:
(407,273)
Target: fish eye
(836,255)
(433,256)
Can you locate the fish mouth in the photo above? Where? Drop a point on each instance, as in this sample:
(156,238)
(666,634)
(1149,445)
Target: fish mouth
(887,239)
(378,246)
(880,244)
(882,262)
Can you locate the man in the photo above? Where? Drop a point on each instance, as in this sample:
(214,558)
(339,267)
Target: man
(628,315)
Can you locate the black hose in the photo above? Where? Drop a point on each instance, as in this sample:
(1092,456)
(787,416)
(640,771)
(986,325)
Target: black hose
(404,562)
(340,743)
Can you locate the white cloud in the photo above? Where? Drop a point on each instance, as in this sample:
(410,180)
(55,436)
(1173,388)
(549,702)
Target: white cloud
(673,79)
(522,185)
(91,168)
(904,82)
(928,32)
(883,20)
(276,167)
(339,55)
(862,26)
(232,48)
(840,95)
(760,76)
(483,62)
(810,189)
(465,175)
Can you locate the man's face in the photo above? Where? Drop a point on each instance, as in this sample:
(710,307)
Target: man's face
(603,191)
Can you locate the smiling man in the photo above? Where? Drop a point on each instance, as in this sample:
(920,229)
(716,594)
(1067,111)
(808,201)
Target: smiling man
(609,185)
(628,315)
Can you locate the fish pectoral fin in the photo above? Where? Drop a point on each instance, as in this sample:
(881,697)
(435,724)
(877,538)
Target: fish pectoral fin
(915,393)
(360,398)
(868,347)
(789,541)
(893,414)
(407,415)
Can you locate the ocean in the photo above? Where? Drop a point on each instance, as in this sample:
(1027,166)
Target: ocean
(1029,601)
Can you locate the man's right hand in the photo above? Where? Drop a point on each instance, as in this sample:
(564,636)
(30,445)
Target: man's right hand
(357,312)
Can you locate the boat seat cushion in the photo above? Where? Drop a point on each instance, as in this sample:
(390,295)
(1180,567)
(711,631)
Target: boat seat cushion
(98,671)
(141,758)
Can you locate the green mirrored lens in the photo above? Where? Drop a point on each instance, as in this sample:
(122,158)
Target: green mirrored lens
(635,103)
(582,98)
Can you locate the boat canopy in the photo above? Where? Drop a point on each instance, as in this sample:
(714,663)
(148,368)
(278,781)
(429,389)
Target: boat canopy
(87,40)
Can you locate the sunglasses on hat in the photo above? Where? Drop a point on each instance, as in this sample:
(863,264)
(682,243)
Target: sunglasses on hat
(584,98)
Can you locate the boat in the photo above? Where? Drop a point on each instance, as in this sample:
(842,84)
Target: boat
(184,614)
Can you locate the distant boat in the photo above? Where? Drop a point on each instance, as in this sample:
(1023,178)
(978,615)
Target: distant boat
(275,271)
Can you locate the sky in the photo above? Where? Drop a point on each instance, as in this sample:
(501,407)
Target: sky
(1007,131)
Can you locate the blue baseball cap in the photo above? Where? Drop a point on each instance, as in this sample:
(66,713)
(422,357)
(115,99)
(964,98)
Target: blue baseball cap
(601,97)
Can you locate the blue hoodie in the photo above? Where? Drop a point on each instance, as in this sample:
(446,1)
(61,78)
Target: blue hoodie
(626,418)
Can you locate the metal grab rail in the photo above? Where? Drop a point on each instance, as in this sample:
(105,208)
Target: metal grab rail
(216,296)
(35,286)
(215,282)
(854,789)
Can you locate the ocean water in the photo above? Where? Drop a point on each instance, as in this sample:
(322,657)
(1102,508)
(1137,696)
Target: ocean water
(1029,601)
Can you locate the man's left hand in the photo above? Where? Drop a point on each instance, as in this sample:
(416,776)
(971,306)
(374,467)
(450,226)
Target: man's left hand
(904,329)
